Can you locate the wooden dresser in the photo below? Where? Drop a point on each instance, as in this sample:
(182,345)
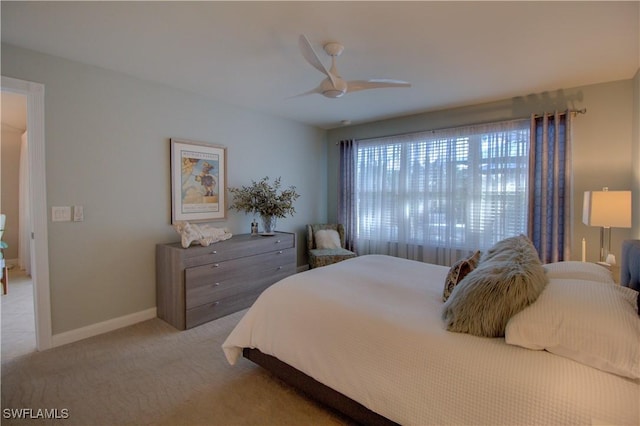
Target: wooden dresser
(199,284)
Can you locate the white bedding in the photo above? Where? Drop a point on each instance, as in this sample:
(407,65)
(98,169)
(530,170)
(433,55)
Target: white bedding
(370,328)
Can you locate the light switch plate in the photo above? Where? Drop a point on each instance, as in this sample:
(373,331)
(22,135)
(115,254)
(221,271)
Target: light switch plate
(78,213)
(61,214)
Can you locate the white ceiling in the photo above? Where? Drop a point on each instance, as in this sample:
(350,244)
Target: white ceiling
(246,53)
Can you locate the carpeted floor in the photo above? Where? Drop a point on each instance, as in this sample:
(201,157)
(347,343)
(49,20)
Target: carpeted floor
(152,374)
(18,320)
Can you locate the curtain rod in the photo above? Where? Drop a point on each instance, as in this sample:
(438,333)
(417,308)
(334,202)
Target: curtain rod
(571,111)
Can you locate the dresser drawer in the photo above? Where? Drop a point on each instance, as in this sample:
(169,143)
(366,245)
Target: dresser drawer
(232,249)
(219,308)
(221,271)
(212,282)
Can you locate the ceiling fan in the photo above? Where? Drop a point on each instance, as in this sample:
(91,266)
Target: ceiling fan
(334,86)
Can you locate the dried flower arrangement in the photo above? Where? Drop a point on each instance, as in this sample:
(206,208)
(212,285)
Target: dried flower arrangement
(264,198)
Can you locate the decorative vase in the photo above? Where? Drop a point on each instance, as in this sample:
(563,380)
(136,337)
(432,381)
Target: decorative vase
(268,224)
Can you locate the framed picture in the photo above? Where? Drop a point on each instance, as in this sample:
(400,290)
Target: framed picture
(198,181)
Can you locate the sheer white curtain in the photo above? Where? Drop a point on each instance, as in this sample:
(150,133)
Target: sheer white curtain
(437,196)
(24,211)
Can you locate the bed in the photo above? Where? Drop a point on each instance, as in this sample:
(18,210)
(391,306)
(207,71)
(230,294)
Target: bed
(366,336)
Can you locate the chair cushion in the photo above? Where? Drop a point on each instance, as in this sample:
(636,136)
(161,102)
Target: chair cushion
(323,257)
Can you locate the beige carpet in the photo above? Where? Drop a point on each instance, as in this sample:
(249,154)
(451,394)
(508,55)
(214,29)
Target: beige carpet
(152,374)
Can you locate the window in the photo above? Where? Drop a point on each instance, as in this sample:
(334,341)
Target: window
(460,189)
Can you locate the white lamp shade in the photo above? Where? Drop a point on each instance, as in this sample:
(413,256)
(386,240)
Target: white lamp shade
(608,209)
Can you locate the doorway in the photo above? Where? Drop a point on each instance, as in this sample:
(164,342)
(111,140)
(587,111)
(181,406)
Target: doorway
(34,93)
(18,320)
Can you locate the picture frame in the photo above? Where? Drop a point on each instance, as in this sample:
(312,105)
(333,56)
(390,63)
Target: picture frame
(198,181)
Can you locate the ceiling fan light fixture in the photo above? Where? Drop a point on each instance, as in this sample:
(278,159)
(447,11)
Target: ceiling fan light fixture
(328,89)
(333,93)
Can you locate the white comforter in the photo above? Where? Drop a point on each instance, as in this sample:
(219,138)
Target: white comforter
(370,328)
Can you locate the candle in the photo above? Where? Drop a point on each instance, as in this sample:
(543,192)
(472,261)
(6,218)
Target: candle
(584,250)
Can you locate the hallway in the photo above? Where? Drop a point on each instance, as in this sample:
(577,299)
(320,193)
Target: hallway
(18,322)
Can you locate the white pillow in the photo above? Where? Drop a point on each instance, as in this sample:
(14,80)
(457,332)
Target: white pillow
(586,321)
(578,270)
(327,239)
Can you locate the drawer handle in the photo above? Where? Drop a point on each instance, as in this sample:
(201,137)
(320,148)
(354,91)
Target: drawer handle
(214,252)
(279,267)
(216,284)
(216,265)
(215,304)
(280,252)
(278,241)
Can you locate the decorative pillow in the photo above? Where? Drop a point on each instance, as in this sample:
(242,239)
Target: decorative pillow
(458,271)
(508,278)
(585,321)
(327,239)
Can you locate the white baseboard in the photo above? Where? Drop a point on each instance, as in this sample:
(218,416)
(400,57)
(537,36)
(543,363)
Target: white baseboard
(102,327)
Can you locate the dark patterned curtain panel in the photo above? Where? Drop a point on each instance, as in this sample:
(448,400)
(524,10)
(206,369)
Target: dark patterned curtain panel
(550,186)
(346,202)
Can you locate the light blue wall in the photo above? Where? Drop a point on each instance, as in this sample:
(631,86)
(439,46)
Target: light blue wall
(107,148)
(601,151)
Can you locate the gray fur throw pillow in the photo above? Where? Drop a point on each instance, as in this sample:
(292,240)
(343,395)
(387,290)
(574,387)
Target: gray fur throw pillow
(508,278)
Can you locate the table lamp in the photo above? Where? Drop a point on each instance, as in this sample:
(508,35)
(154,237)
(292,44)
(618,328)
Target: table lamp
(606,209)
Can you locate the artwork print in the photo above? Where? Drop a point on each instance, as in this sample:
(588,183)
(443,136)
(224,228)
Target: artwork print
(198,181)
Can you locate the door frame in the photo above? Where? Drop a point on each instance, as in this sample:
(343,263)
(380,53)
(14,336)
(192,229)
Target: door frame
(34,93)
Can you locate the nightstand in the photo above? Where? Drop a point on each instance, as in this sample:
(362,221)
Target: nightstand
(614,269)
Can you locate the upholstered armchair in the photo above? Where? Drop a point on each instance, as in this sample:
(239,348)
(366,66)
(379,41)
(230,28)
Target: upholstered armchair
(325,244)
(630,269)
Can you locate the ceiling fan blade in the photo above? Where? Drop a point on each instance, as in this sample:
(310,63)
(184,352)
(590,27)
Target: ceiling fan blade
(309,92)
(355,85)
(311,57)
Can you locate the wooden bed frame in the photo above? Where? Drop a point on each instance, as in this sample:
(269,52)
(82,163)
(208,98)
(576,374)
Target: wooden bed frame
(316,390)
